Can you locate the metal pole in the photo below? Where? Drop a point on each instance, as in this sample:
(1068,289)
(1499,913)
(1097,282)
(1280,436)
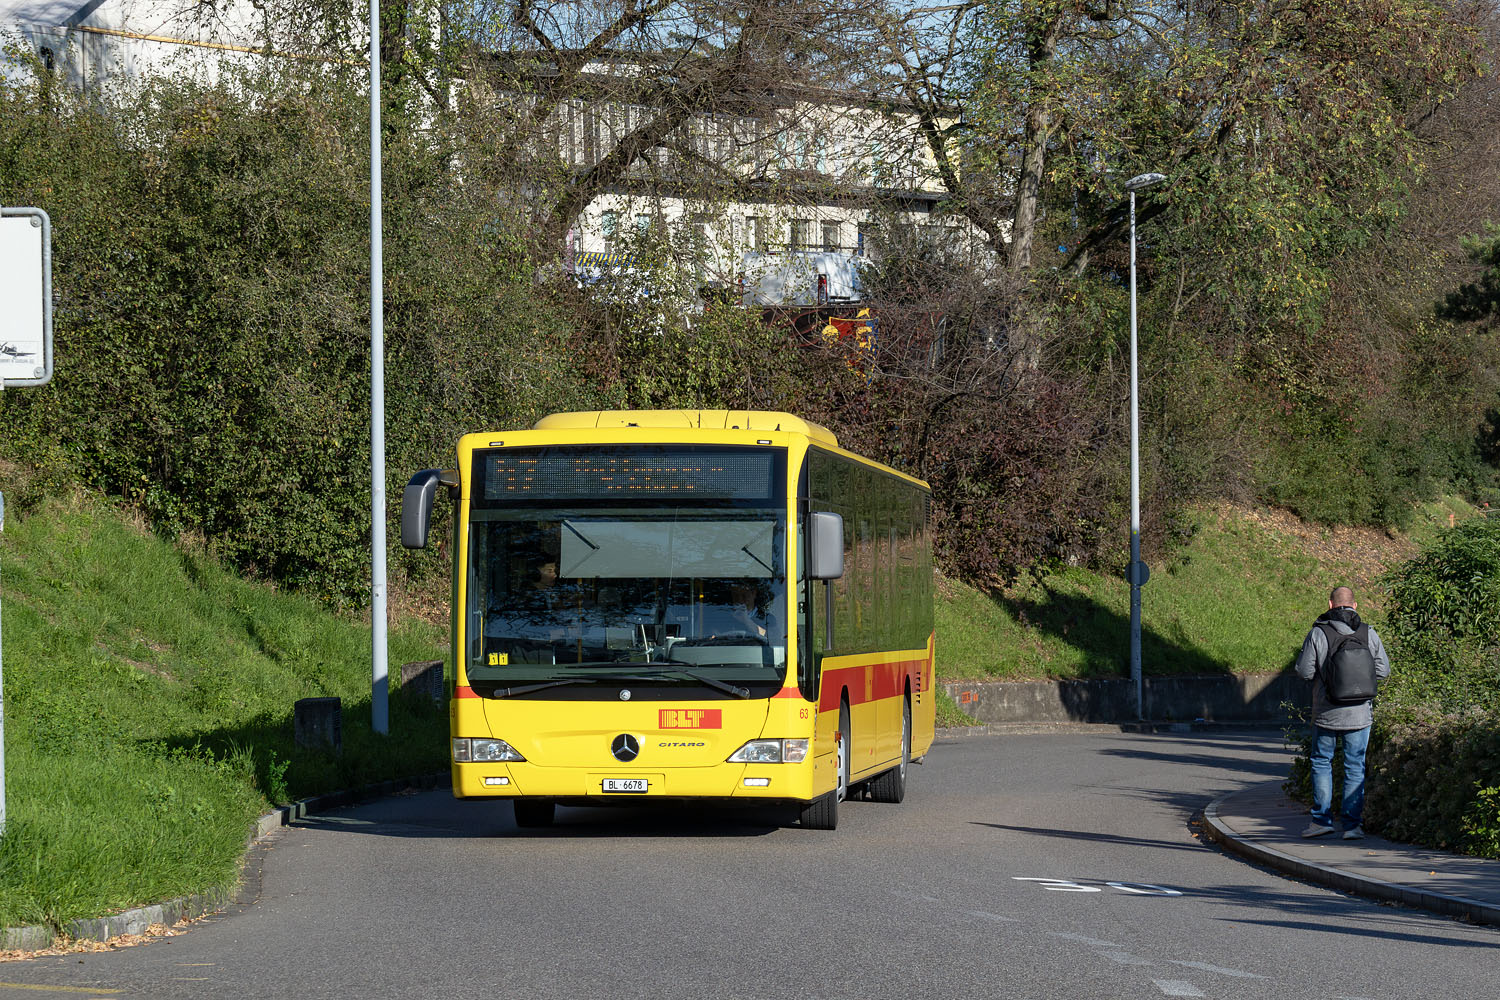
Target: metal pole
(2,698)
(1135,491)
(379,678)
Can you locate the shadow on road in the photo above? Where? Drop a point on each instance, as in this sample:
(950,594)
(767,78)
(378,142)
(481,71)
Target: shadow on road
(442,818)
(1278,768)
(1103,838)
(1340,921)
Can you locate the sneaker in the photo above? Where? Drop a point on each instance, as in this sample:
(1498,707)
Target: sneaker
(1355,833)
(1316,830)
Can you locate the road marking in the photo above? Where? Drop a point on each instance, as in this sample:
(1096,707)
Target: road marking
(1178,988)
(1058,884)
(1143,888)
(986,915)
(1126,958)
(1219,969)
(1084,939)
(1068,885)
(55,989)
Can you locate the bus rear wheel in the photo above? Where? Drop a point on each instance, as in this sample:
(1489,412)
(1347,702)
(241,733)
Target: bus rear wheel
(531,813)
(891,786)
(823,813)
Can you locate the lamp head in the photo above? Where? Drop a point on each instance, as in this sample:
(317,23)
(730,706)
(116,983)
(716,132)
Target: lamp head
(1140,181)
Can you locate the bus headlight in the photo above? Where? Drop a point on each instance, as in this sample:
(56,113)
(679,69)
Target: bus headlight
(771,752)
(467,750)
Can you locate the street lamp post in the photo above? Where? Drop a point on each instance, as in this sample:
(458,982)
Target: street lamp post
(379,680)
(1137,572)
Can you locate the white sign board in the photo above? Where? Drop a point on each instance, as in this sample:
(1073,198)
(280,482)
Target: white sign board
(25,297)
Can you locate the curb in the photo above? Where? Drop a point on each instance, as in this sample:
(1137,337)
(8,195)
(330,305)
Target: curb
(1021,728)
(36,937)
(1360,885)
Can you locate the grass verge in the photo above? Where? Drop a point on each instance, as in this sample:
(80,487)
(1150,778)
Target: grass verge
(148,713)
(1237,596)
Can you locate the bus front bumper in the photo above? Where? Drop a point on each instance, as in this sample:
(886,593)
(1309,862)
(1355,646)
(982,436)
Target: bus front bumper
(785,782)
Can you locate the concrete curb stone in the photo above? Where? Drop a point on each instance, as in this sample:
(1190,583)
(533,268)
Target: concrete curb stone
(1360,885)
(36,937)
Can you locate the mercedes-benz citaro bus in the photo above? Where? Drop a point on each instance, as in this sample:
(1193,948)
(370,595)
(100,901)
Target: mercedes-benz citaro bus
(679,605)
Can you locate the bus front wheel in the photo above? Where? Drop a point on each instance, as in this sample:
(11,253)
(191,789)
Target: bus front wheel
(823,812)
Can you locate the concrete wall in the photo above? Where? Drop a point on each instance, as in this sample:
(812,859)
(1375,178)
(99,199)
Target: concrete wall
(1212,698)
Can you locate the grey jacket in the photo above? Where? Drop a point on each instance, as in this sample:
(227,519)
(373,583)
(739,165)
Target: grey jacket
(1342,718)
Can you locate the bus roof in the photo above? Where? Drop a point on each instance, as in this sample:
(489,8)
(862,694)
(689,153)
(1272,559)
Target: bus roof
(749,420)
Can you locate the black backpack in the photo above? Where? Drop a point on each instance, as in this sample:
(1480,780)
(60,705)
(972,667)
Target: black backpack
(1349,668)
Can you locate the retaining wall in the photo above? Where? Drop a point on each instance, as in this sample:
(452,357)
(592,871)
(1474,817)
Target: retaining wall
(1211,698)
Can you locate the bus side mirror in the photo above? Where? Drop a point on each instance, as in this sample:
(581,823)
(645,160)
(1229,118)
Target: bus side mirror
(825,558)
(416,505)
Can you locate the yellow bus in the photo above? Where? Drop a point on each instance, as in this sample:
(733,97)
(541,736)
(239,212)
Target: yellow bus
(679,605)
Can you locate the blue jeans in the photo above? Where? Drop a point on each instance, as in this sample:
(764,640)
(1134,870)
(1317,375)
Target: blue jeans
(1324,742)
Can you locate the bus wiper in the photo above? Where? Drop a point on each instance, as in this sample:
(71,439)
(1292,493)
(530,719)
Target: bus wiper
(713,682)
(542,685)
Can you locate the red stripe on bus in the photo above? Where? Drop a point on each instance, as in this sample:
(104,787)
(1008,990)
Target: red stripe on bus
(885,680)
(463,691)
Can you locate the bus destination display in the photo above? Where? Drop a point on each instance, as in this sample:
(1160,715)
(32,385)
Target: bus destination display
(598,473)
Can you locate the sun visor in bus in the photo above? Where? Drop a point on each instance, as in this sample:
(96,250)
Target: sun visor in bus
(604,548)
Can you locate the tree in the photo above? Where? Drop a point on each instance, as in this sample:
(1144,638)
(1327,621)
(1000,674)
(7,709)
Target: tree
(1479,301)
(1264,112)
(567,99)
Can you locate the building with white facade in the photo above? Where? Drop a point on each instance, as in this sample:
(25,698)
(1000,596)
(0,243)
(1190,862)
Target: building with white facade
(779,200)
(90,44)
(776,198)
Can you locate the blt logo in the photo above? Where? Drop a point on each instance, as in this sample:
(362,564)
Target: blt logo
(691,718)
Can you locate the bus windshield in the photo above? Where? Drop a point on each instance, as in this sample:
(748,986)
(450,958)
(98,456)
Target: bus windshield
(679,596)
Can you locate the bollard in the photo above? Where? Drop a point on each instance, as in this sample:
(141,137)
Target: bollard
(319,722)
(425,677)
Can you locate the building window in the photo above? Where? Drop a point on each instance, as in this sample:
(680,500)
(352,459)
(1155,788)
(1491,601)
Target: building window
(591,124)
(831,235)
(755,232)
(801,233)
(609,222)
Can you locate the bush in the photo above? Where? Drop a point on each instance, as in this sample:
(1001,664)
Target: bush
(212,321)
(1433,777)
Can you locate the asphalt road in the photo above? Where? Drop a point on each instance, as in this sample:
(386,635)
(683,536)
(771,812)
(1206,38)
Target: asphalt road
(1048,866)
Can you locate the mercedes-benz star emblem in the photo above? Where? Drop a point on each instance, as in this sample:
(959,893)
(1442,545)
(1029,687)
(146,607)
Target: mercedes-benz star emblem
(625,747)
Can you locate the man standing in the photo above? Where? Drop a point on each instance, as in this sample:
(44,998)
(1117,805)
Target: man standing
(1340,633)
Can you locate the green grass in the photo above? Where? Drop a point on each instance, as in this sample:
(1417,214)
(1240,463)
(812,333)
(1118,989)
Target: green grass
(148,703)
(1236,597)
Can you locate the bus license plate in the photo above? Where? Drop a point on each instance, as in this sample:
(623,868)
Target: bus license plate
(628,785)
